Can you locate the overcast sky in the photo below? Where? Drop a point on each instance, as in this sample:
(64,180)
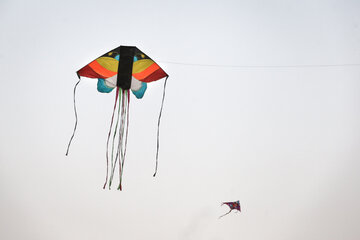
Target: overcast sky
(283,140)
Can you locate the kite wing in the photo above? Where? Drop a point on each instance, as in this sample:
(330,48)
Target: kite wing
(233,205)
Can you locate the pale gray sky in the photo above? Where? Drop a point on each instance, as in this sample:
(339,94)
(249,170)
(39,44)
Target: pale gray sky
(282,140)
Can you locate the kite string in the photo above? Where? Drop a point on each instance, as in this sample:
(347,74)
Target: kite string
(265,66)
(158,127)
(76,119)
(107,142)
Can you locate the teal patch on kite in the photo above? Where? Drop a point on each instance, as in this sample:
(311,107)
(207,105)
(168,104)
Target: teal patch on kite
(140,93)
(102,87)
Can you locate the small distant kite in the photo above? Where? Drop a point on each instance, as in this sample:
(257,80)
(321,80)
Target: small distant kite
(232,206)
(124,68)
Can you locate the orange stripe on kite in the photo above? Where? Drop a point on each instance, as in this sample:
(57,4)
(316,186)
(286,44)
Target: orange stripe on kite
(148,71)
(101,70)
(89,72)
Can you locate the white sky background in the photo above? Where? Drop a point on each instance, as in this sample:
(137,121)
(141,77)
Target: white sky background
(284,141)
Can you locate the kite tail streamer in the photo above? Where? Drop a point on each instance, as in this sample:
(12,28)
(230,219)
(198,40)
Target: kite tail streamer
(76,119)
(158,128)
(107,142)
(119,154)
(121,123)
(121,137)
(126,105)
(127,120)
(116,130)
(225,213)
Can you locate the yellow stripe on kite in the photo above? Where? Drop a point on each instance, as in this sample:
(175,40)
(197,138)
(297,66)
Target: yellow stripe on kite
(141,65)
(147,72)
(108,63)
(95,66)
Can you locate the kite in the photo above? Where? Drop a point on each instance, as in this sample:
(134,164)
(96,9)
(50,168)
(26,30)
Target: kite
(124,68)
(232,206)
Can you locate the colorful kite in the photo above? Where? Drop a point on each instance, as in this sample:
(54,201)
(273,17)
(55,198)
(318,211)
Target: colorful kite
(232,206)
(123,68)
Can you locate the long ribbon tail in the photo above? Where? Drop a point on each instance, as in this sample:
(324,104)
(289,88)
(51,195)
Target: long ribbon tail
(119,155)
(158,128)
(126,115)
(76,119)
(113,164)
(127,121)
(121,139)
(120,129)
(107,142)
(225,214)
